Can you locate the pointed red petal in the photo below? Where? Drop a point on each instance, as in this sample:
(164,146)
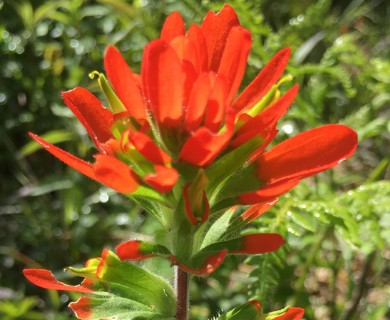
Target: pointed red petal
(268,192)
(82,308)
(163,180)
(45,279)
(260,243)
(204,146)
(197,102)
(89,110)
(216,28)
(115,174)
(307,153)
(266,120)
(258,209)
(173,27)
(292,314)
(148,148)
(124,83)
(162,79)
(130,250)
(211,264)
(216,106)
(233,61)
(69,159)
(196,37)
(263,82)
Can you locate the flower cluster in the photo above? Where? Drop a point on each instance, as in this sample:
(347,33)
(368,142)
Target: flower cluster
(179,136)
(179,141)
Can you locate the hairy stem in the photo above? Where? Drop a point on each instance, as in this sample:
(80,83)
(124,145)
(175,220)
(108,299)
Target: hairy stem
(182,295)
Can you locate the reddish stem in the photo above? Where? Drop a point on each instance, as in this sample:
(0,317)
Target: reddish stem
(181,288)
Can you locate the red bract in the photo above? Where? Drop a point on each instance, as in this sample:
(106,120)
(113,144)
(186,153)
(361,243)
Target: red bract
(184,108)
(180,136)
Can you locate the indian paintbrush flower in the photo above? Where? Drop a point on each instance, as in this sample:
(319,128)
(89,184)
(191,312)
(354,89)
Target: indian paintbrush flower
(179,136)
(180,141)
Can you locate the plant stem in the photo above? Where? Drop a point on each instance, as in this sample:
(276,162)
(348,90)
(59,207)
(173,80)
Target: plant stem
(362,287)
(181,288)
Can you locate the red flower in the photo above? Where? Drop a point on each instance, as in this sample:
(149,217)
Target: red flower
(178,135)
(184,109)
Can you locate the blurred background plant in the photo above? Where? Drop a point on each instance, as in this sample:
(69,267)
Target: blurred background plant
(337,226)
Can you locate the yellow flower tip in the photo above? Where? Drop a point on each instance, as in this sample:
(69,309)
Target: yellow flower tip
(93,74)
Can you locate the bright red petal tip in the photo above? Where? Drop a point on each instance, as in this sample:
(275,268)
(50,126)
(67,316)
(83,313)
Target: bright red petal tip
(130,250)
(259,243)
(96,119)
(147,147)
(263,82)
(82,308)
(233,60)
(163,179)
(307,153)
(162,80)
(173,27)
(45,279)
(266,120)
(216,28)
(124,82)
(115,174)
(69,159)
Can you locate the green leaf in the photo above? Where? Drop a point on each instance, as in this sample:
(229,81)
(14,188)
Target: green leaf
(231,162)
(248,311)
(216,230)
(242,181)
(119,308)
(137,284)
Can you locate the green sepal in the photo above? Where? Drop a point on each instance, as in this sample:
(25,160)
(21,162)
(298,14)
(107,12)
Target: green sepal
(214,229)
(248,311)
(269,98)
(149,194)
(274,314)
(155,249)
(89,271)
(137,284)
(231,245)
(230,163)
(114,307)
(244,180)
(114,102)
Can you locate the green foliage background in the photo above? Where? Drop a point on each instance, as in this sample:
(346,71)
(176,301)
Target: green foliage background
(337,225)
